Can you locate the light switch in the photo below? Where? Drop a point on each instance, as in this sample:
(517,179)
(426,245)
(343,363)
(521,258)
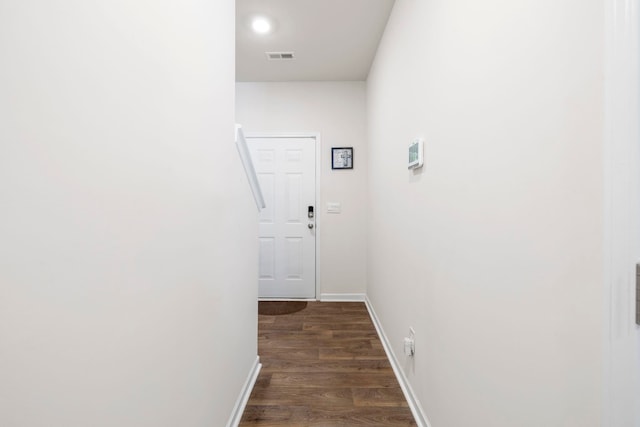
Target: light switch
(333,207)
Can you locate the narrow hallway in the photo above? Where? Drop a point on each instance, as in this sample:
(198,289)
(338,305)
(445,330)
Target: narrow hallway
(324,366)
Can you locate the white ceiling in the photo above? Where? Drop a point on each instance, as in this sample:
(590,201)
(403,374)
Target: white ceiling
(332,39)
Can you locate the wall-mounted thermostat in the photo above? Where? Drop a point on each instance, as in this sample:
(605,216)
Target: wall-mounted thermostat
(415,153)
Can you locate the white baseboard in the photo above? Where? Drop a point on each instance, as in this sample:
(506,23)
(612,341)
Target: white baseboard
(241,403)
(342,297)
(414,404)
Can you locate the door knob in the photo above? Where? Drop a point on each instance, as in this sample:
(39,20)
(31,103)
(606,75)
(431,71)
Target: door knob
(310,226)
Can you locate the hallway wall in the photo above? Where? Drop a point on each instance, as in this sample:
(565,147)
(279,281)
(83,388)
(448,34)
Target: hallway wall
(493,250)
(337,110)
(127,230)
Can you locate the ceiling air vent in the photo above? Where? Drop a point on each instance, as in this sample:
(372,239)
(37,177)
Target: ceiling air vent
(279,56)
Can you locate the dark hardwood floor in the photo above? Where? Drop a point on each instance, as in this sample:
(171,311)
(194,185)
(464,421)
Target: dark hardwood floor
(324,366)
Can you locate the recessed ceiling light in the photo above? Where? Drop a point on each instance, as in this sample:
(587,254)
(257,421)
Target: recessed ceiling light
(261,25)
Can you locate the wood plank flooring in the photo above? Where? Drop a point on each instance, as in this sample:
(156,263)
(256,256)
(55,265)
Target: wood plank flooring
(324,366)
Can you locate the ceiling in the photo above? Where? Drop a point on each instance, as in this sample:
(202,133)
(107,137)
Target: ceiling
(331,39)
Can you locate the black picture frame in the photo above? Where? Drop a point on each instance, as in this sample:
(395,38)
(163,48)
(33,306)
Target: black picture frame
(342,158)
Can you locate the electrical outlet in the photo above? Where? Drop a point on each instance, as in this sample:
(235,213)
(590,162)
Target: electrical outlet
(410,343)
(409,347)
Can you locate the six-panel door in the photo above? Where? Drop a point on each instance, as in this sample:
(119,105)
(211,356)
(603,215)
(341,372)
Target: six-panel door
(286,173)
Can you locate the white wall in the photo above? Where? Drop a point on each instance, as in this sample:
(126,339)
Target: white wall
(127,229)
(493,251)
(337,111)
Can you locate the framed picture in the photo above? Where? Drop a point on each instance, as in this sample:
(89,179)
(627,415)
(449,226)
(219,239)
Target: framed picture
(342,158)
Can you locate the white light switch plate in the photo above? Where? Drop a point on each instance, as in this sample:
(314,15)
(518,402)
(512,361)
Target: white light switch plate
(333,207)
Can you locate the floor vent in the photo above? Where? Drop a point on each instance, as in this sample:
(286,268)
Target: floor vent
(277,56)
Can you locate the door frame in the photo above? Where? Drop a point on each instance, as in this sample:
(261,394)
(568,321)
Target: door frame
(318,174)
(621,151)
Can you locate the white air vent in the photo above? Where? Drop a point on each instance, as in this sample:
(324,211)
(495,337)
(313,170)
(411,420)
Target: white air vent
(278,56)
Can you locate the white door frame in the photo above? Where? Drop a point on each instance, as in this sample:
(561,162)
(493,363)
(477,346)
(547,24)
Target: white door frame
(621,373)
(318,211)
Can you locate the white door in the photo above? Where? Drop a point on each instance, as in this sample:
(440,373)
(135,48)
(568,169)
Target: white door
(286,169)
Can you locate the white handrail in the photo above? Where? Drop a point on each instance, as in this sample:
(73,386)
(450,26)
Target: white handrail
(247,162)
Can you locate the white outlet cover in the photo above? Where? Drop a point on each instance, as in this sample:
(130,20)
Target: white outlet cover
(409,347)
